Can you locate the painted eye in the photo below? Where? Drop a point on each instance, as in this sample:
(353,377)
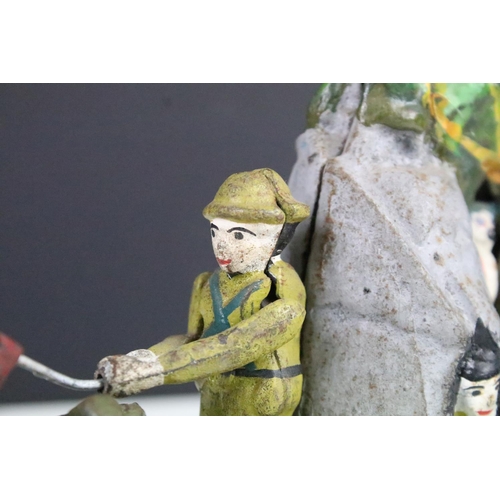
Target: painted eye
(213,233)
(238,235)
(480,221)
(476,393)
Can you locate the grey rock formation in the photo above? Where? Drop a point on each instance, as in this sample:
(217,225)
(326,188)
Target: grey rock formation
(393,278)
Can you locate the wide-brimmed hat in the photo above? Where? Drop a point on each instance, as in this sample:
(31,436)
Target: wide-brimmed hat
(257,196)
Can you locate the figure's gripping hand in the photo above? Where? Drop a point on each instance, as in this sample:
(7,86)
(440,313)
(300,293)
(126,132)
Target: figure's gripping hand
(130,373)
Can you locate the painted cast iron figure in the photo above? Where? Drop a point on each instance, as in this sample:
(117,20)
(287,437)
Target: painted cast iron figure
(479,372)
(243,342)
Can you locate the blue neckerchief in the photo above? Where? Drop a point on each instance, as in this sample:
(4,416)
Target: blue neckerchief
(221,314)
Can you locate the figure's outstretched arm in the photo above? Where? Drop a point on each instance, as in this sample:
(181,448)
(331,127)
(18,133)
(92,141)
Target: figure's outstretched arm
(137,363)
(265,331)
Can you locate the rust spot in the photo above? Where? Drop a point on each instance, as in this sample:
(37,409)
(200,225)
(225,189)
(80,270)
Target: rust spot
(327,240)
(438,259)
(372,386)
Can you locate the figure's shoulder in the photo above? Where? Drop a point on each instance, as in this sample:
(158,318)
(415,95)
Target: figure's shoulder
(200,281)
(202,278)
(281,268)
(288,283)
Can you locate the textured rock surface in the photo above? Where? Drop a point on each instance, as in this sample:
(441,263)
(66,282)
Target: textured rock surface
(393,278)
(314,147)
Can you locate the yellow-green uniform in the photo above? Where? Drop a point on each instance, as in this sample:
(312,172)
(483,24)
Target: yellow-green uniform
(243,351)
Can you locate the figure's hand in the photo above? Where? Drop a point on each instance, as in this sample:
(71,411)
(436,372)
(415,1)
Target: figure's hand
(130,373)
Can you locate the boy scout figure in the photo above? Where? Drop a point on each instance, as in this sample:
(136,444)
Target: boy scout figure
(243,342)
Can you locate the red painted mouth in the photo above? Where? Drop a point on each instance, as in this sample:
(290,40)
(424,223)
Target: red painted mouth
(483,413)
(224,262)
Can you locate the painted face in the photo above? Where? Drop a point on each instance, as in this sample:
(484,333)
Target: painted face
(483,228)
(242,247)
(478,398)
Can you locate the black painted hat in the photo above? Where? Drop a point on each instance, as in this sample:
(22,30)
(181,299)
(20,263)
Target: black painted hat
(482,360)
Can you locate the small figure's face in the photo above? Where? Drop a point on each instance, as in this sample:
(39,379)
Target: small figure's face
(483,228)
(478,398)
(242,247)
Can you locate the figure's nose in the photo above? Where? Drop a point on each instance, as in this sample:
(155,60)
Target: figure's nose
(222,247)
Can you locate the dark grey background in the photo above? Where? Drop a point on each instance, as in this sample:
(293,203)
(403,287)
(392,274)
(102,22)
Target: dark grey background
(102,188)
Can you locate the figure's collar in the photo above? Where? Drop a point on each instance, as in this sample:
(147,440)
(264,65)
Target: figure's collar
(273,260)
(240,278)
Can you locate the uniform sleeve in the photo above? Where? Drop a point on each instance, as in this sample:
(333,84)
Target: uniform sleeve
(262,333)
